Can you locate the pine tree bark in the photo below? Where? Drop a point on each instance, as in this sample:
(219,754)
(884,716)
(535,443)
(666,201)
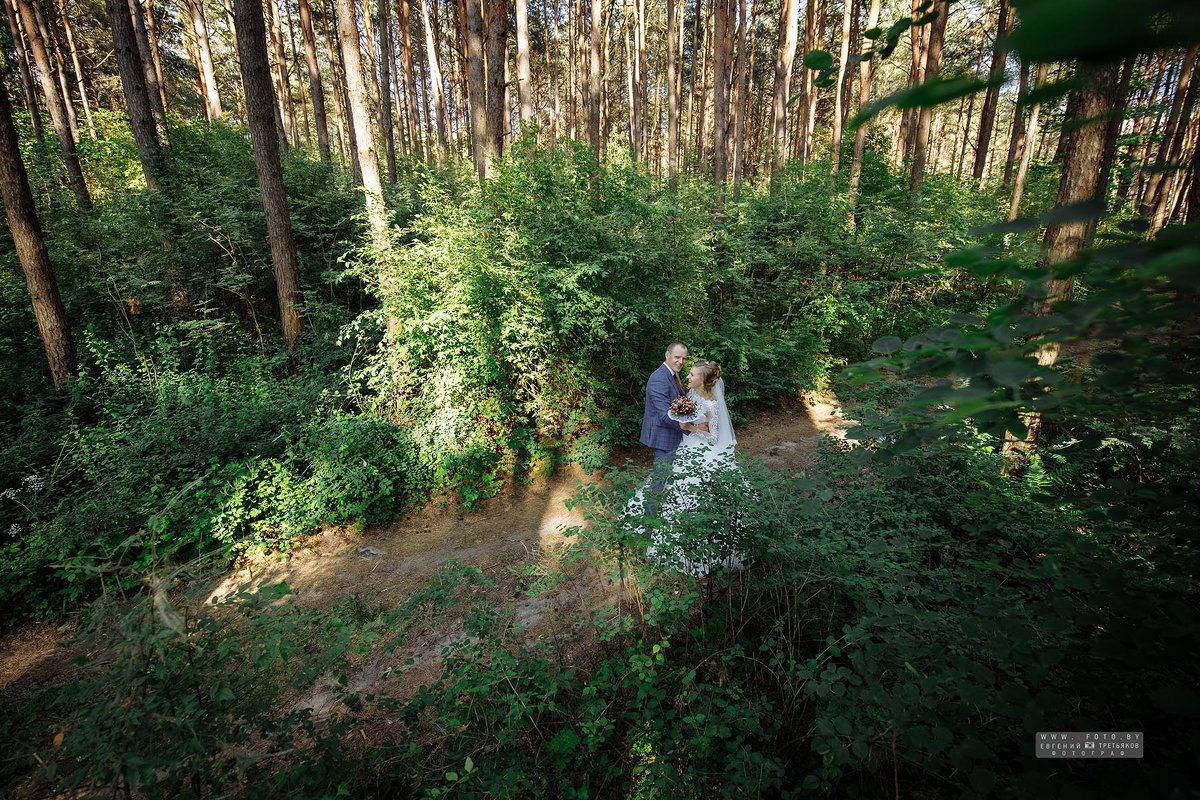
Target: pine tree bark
(79,79)
(54,104)
(1172,134)
(404,19)
(31,100)
(320,119)
(26,229)
(283,85)
(672,93)
(1167,191)
(865,72)
(435,82)
(641,63)
(260,105)
(838,105)
(524,78)
(933,65)
(480,135)
(741,107)
(60,72)
(386,125)
(1116,119)
(813,24)
(991,99)
(339,71)
(1080,181)
(497,95)
(148,57)
(212,98)
(356,89)
(137,93)
(1030,135)
(723,12)
(917,50)
(786,55)
(594,88)
(1016,136)
(1192,210)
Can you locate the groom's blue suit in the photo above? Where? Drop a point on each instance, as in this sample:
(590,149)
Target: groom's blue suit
(659,432)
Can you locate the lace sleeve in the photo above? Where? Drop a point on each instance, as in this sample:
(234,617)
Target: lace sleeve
(710,416)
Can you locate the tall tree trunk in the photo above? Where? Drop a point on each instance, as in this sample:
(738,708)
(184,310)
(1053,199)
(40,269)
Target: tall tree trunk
(1138,146)
(338,68)
(838,107)
(79,81)
(723,19)
(435,81)
(231,32)
(745,66)
(289,22)
(151,64)
(497,96)
(524,80)
(314,79)
(1165,197)
(813,26)
(1171,138)
(1113,132)
(410,75)
(260,105)
(1080,180)
(283,84)
(908,119)
(991,99)
(1192,210)
(865,70)
(212,99)
(137,93)
(26,230)
(54,103)
(786,55)
(31,100)
(480,135)
(673,65)
(706,46)
(642,78)
(1014,207)
(385,90)
(933,65)
(553,67)
(360,117)
(1016,136)
(594,88)
(60,72)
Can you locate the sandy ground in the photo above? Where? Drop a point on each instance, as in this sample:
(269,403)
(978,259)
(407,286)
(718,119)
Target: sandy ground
(508,533)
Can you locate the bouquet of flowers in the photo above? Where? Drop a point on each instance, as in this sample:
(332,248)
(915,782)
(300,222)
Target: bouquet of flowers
(683,409)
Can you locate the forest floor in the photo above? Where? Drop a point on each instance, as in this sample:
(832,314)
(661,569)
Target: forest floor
(508,538)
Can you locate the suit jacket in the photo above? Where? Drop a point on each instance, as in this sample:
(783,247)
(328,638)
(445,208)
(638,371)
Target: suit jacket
(659,431)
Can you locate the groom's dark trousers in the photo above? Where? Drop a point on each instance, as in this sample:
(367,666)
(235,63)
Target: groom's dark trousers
(659,432)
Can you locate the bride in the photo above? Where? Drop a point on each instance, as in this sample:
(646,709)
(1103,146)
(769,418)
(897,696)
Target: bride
(701,457)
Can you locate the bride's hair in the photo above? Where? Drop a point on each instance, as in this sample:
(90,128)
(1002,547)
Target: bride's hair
(712,374)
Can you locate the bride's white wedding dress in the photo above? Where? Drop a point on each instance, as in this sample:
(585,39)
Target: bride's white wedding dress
(699,459)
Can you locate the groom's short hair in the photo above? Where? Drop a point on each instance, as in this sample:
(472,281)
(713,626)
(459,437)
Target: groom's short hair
(675,344)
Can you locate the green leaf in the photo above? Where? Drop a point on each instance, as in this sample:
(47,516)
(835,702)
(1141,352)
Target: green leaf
(818,59)
(930,93)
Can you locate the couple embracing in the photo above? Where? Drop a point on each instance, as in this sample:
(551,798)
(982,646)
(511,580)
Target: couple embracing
(691,443)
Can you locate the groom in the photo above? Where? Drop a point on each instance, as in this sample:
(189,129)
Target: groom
(659,432)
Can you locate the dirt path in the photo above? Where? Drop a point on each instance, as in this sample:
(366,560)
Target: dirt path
(507,534)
